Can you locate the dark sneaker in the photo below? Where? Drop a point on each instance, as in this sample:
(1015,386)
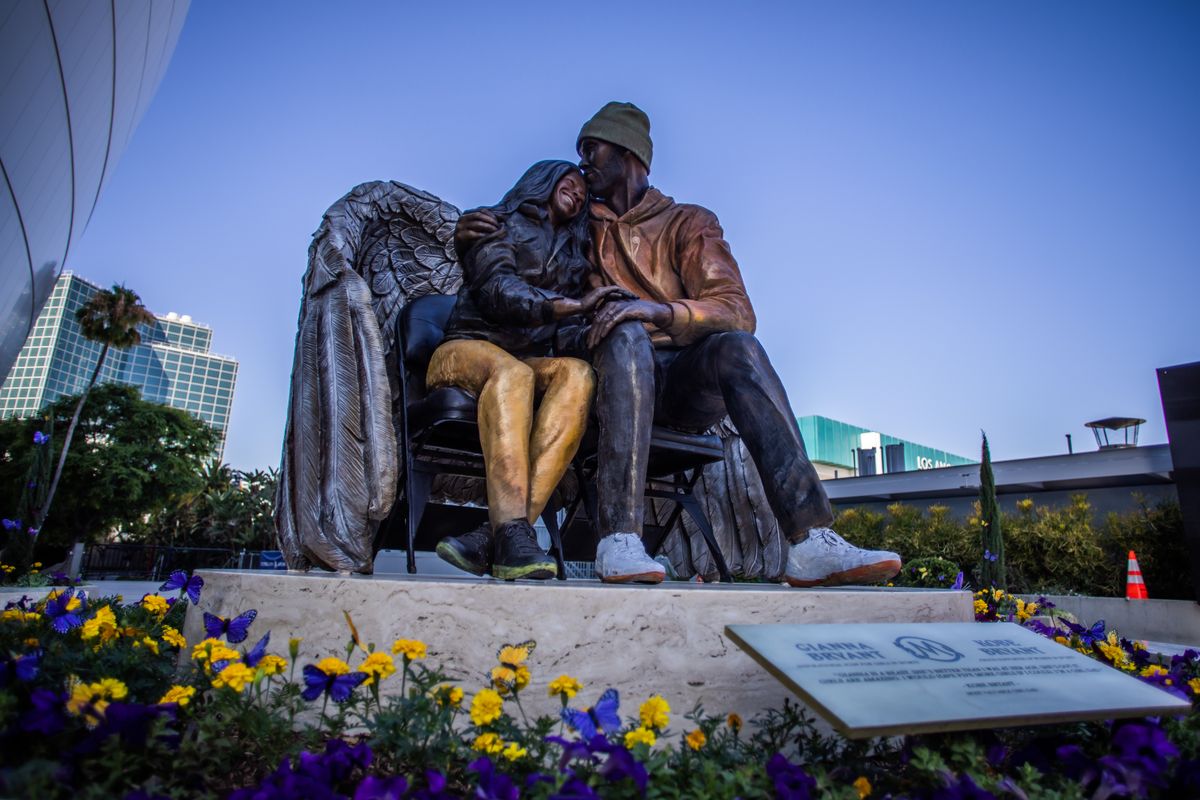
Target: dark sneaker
(516,553)
(470,551)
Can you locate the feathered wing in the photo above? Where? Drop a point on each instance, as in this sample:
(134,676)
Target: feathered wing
(732,496)
(378,247)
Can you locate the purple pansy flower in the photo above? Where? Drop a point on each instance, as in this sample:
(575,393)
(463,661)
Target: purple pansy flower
(790,780)
(40,438)
(492,785)
(10,524)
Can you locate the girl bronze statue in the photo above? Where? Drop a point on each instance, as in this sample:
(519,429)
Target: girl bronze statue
(523,291)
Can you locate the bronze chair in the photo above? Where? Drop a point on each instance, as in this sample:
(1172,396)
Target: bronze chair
(437,429)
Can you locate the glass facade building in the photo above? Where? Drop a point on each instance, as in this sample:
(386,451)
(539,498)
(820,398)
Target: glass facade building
(172,365)
(75,79)
(841,450)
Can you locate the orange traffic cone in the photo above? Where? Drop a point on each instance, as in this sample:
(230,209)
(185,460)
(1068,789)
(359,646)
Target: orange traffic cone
(1135,587)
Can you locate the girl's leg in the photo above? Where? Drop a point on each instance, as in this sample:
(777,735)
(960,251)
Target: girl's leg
(566,386)
(505,389)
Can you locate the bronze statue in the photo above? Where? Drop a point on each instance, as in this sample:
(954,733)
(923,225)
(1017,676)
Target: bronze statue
(683,354)
(521,288)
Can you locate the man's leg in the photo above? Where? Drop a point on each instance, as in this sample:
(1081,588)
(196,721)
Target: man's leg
(625,392)
(566,386)
(505,389)
(730,372)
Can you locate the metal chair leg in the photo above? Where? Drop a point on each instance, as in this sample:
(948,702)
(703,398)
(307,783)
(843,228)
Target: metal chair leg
(418,483)
(693,509)
(550,519)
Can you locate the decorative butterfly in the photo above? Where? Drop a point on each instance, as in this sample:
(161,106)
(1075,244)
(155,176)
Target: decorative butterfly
(515,655)
(62,618)
(234,630)
(251,658)
(339,687)
(1086,635)
(180,580)
(602,716)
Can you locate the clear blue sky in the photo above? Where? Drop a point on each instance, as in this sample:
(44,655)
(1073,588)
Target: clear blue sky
(950,216)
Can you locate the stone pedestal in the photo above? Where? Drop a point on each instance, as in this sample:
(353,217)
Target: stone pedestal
(666,639)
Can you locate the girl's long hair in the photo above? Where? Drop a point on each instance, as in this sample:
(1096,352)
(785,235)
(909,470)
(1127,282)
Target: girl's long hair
(535,187)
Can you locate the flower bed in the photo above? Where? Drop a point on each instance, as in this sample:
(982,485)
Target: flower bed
(101,699)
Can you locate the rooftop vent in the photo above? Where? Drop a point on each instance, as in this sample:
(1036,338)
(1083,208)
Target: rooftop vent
(1108,430)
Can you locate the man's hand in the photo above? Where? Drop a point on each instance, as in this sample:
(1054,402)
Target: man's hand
(614,314)
(566,306)
(473,226)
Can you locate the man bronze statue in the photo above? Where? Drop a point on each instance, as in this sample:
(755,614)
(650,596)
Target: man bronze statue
(683,354)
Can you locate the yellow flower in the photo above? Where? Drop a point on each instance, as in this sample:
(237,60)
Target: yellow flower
(447,695)
(696,739)
(734,722)
(654,713)
(173,637)
(489,743)
(17,615)
(1154,669)
(211,650)
(1025,504)
(148,643)
(333,666)
(640,736)
(506,678)
(378,666)
(37,565)
(861,784)
(513,751)
(272,665)
(981,607)
(32,641)
(411,649)
(1063,640)
(1194,685)
(155,604)
(90,699)
(178,694)
(103,625)
(294,646)
(486,707)
(235,676)
(564,686)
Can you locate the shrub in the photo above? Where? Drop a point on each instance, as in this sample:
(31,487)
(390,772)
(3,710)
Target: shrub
(1048,550)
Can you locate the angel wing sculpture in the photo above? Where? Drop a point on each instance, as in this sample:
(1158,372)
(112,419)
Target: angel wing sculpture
(379,247)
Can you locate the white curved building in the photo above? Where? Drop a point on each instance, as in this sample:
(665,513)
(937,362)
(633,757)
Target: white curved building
(75,79)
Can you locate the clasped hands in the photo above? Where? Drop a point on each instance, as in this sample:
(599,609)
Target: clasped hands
(607,306)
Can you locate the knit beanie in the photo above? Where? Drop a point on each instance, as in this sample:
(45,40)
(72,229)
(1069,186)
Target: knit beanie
(622,124)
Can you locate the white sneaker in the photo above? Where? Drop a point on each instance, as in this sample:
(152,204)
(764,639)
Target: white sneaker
(826,559)
(621,558)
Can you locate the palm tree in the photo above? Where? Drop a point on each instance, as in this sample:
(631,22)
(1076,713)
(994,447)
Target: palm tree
(110,317)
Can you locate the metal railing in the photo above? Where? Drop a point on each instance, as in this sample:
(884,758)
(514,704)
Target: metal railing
(151,562)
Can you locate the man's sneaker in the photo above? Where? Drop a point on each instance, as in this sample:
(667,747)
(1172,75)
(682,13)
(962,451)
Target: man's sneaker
(470,551)
(621,558)
(516,554)
(826,559)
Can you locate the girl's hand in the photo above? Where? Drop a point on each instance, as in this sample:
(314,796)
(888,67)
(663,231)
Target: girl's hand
(568,307)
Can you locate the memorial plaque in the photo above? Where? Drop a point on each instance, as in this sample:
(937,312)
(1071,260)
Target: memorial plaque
(884,679)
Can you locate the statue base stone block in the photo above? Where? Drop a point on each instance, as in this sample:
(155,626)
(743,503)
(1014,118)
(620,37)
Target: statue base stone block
(666,639)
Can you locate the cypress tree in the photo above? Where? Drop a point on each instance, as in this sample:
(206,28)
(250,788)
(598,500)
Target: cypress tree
(991,573)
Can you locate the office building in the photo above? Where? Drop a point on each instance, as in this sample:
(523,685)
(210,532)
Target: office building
(172,365)
(841,450)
